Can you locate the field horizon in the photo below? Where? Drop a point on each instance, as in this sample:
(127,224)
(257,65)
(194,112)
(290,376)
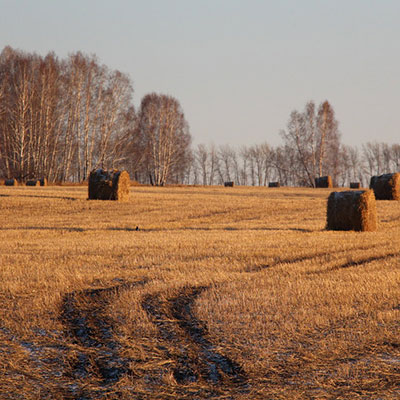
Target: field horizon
(195,292)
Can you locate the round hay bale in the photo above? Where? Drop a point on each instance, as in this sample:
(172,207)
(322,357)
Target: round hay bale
(352,211)
(229,184)
(43,182)
(386,187)
(109,185)
(355,185)
(274,184)
(33,182)
(121,186)
(323,182)
(11,182)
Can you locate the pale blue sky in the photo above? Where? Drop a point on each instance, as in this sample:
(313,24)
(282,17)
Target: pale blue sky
(237,67)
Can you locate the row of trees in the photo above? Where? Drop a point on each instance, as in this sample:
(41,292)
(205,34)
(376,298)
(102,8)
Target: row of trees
(59,119)
(259,164)
(311,148)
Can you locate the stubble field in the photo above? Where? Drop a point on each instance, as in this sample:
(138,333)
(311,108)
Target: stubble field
(226,293)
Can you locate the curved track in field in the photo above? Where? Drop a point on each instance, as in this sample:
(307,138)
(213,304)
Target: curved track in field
(98,350)
(185,341)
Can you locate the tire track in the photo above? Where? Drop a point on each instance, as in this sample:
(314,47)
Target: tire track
(194,355)
(91,329)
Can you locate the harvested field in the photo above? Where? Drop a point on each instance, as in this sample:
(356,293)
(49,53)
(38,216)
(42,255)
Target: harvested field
(221,293)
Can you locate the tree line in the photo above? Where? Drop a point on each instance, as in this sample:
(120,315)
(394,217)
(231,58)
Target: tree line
(61,118)
(259,164)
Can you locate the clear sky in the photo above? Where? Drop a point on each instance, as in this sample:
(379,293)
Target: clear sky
(237,67)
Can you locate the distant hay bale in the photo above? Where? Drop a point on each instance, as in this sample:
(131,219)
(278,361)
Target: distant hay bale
(33,182)
(274,184)
(352,210)
(355,185)
(11,182)
(323,182)
(386,187)
(109,185)
(229,184)
(43,182)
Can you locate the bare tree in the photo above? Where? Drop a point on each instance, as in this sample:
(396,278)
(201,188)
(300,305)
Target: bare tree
(244,154)
(213,164)
(226,156)
(316,141)
(201,156)
(58,119)
(328,136)
(395,150)
(164,135)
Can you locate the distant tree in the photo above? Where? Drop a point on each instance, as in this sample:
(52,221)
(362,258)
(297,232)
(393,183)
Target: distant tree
(395,150)
(372,153)
(244,154)
(315,139)
(164,137)
(60,119)
(226,155)
(201,157)
(328,138)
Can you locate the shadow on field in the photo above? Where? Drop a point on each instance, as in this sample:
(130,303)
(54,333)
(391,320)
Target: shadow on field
(40,197)
(314,256)
(228,228)
(46,228)
(354,263)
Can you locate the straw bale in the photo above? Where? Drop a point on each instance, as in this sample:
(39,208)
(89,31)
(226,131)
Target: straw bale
(355,185)
(274,184)
(386,187)
(11,182)
(323,182)
(229,184)
(352,210)
(33,182)
(109,185)
(43,182)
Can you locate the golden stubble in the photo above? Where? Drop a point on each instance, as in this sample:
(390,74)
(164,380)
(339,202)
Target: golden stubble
(302,310)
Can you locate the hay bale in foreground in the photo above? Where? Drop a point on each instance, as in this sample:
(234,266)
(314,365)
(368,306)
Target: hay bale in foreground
(109,185)
(33,182)
(355,185)
(229,184)
(43,182)
(11,182)
(274,184)
(323,182)
(386,187)
(352,211)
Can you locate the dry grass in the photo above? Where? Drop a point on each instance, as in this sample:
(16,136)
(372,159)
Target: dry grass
(221,293)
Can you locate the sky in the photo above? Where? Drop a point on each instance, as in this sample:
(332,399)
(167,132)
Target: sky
(238,67)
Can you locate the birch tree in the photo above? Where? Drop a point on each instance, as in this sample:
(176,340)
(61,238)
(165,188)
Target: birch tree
(164,136)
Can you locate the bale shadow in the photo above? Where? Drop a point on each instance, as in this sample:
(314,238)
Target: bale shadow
(355,263)
(258,268)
